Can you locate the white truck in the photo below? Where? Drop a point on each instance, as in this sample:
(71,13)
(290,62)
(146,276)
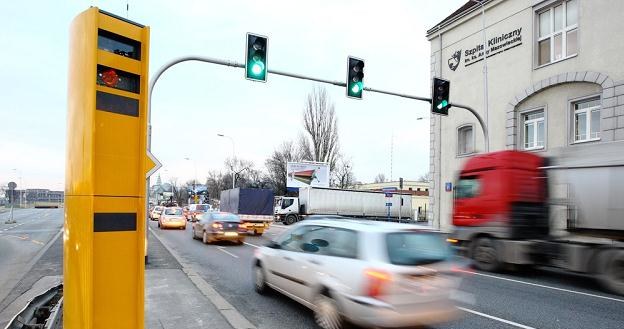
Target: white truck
(352,203)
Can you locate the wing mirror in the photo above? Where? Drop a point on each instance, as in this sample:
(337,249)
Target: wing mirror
(273,245)
(309,247)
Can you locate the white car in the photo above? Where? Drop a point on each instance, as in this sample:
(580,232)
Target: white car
(373,274)
(155,213)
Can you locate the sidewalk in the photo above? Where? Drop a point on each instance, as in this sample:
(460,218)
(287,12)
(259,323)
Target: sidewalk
(172,300)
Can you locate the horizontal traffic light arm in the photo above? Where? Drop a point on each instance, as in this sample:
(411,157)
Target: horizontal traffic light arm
(216,61)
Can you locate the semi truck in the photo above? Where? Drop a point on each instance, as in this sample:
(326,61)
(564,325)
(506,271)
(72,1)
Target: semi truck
(352,203)
(515,209)
(253,206)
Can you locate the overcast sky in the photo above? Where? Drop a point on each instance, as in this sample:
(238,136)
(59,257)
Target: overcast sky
(194,101)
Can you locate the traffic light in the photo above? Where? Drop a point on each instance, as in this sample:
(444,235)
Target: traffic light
(355,77)
(256,58)
(440,102)
(400,183)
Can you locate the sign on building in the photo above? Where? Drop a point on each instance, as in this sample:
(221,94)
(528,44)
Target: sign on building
(304,174)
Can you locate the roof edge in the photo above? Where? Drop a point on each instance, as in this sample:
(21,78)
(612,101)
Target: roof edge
(457,15)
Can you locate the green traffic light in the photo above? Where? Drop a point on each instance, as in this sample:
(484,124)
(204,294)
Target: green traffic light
(355,88)
(257,68)
(442,104)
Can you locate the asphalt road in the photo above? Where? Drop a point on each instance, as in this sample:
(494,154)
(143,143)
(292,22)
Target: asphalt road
(539,298)
(21,242)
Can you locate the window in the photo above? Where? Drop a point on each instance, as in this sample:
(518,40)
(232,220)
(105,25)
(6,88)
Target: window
(587,120)
(292,241)
(287,203)
(465,140)
(467,187)
(533,130)
(415,248)
(557,32)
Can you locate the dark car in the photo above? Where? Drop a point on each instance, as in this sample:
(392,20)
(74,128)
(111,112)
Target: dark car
(217,226)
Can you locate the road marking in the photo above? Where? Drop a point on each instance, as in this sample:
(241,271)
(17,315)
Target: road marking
(251,244)
(227,252)
(544,286)
(495,318)
(37,242)
(17,236)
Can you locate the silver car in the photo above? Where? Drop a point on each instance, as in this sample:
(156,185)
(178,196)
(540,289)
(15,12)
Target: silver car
(373,274)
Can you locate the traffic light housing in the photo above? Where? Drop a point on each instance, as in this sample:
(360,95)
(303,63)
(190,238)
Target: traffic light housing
(256,57)
(355,77)
(440,102)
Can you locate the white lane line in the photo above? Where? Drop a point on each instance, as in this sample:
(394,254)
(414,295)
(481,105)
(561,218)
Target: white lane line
(544,286)
(37,242)
(495,318)
(251,244)
(227,252)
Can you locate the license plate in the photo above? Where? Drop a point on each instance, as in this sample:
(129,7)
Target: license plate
(231,234)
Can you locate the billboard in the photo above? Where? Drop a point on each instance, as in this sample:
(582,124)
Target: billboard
(304,174)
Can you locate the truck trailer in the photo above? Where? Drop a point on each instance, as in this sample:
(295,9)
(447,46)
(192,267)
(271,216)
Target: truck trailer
(352,203)
(253,206)
(515,209)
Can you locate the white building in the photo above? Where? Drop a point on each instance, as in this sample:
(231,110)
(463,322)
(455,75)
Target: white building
(555,78)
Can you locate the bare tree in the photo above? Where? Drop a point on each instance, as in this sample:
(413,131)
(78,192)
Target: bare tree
(320,140)
(342,174)
(380,178)
(425,178)
(216,182)
(276,165)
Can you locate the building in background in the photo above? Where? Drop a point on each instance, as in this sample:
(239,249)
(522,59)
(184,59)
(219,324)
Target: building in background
(418,190)
(554,80)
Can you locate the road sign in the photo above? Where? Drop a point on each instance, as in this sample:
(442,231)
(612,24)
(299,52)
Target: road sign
(388,204)
(389,191)
(12,185)
(448,186)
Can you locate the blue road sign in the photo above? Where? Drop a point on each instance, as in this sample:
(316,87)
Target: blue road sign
(388,204)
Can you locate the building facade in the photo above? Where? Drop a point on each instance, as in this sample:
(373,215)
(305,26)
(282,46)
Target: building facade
(418,190)
(554,79)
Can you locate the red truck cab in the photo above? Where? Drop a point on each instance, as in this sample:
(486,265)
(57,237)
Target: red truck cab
(500,195)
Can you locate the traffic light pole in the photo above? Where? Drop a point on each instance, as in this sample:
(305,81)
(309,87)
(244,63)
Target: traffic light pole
(483,126)
(216,61)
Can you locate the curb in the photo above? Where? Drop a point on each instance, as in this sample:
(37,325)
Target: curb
(229,312)
(32,263)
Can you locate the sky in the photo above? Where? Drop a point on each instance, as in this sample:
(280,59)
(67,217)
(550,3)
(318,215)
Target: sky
(193,102)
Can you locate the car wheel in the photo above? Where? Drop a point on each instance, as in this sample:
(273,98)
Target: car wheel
(326,313)
(159,225)
(256,233)
(613,277)
(260,284)
(485,255)
(205,238)
(290,219)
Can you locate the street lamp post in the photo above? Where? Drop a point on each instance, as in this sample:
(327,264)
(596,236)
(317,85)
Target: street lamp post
(195,166)
(233,158)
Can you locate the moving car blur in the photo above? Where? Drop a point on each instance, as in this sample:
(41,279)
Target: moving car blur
(373,274)
(172,217)
(155,212)
(196,209)
(217,226)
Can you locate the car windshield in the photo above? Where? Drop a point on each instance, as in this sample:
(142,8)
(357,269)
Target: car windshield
(202,207)
(225,217)
(416,248)
(173,211)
